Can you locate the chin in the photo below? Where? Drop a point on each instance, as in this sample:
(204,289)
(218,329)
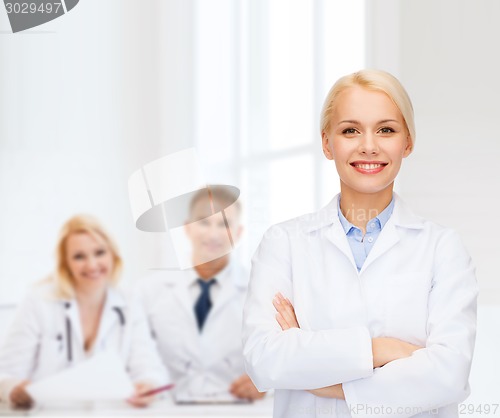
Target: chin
(368,187)
(95,282)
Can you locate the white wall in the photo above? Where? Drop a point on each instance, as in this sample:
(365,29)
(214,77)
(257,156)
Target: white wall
(86,100)
(445,54)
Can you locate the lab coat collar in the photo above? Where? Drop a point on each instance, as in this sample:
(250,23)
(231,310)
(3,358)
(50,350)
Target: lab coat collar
(401,216)
(230,278)
(234,282)
(328,219)
(112,314)
(114,299)
(222,277)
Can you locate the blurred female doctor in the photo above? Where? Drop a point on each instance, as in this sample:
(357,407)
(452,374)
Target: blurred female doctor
(362,308)
(74,315)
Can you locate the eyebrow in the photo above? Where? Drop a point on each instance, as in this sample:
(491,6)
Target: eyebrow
(358,123)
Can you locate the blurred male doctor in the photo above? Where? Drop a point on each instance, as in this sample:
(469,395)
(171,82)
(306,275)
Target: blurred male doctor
(196,315)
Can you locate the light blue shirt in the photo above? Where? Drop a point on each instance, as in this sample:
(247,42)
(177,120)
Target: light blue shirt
(360,246)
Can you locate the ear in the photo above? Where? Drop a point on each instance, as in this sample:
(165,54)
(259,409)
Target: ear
(326,145)
(409,147)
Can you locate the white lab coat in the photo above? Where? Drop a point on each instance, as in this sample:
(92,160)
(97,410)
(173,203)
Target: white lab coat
(417,284)
(200,364)
(37,344)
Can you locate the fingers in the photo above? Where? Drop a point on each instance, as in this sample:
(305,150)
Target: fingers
(20,398)
(240,381)
(244,388)
(286,318)
(137,399)
(334,391)
(139,402)
(412,348)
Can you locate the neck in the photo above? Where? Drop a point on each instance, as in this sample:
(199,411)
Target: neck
(358,208)
(90,298)
(208,270)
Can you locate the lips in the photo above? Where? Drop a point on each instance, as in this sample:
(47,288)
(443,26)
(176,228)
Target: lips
(368,167)
(94,275)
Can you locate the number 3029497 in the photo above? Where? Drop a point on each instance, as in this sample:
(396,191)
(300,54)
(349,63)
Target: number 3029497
(25,8)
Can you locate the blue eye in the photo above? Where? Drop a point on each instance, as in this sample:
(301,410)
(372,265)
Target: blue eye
(386,130)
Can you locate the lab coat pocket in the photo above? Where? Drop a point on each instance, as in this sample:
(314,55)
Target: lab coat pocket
(406,306)
(52,355)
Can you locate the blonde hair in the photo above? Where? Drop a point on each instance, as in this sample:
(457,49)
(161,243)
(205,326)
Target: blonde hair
(76,225)
(375,80)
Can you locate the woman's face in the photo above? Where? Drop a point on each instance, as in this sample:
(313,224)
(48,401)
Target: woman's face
(89,260)
(367,138)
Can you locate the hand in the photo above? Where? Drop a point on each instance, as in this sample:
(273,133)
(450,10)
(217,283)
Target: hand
(286,314)
(138,400)
(335,391)
(387,349)
(244,388)
(20,397)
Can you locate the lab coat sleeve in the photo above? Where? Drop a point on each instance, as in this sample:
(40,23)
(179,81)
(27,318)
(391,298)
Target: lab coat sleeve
(436,375)
(18,351)
(144,363)
(295,358)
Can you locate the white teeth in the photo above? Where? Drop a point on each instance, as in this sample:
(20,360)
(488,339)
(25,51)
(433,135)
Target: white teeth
(368,166)
(93,275)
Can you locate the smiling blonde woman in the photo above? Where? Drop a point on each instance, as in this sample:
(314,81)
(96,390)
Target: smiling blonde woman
(76,314)
(362,308)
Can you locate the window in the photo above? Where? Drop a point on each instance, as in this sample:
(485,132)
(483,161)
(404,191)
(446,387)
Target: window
(262,70)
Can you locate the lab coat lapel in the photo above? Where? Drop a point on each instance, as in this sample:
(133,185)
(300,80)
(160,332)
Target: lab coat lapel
(225,295)
(388,237)
(230,285)
(73,314)
(402,217)
(328,218)
(110,317)
(336,235)
(180,289)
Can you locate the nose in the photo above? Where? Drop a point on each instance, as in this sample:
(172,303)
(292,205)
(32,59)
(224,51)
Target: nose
(92,263)
(368,144)
(215,230)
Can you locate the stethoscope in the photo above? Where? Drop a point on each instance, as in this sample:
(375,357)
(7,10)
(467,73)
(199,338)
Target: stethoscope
(69,351)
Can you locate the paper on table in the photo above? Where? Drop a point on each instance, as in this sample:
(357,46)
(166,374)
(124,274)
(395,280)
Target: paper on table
(102,377)
(213,398)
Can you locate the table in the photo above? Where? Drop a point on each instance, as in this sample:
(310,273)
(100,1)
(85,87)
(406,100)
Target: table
(164,408)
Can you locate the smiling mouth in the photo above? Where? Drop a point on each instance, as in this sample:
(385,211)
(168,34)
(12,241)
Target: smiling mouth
(365,167)
(95,275)
(368,166)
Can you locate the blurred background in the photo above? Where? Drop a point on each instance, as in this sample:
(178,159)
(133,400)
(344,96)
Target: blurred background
(91,97)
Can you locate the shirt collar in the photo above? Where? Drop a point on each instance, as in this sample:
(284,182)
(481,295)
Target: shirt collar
(328,216)
(220,277)
(382,217)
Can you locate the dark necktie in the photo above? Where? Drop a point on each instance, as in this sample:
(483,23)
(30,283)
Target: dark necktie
(203,304)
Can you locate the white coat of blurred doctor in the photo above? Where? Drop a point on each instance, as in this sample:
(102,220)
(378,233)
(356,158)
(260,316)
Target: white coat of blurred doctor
(196,314)
(362,308)
(75,314)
